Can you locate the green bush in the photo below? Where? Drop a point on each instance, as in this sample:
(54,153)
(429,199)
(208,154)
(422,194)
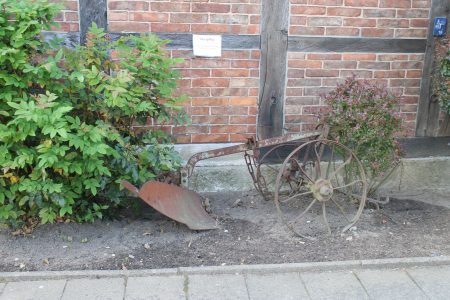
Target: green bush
(364,117)
(68,117)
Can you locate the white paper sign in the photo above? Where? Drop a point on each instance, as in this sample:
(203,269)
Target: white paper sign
(207,45)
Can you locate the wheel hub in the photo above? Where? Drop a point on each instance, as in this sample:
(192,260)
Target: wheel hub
(322,190)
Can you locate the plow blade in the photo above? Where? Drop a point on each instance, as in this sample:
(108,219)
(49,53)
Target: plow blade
(175,202)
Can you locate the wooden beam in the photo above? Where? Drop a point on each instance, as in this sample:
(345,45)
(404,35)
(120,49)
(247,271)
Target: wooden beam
(428,110)
(92,11)
(274,45)
(343,44)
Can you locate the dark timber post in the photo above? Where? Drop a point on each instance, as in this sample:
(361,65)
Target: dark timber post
(428,110)
(274,44)
(92,11)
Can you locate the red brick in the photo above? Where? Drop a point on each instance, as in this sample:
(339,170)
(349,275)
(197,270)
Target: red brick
(405,82)
(183,139)
(419,23)
(321,73)
(118,16)
(421,3)
(358,56)
(244,82)
(229,129)
(197,92)
(243,101)
(343,11)
(377,32)
(170,7)
(304,30)
(296,73)
(324,21)
(324,56)
(414,73)
(255,19)
(149,17)
(250,9)
(391,57)
(395,3)
(230,73)
(71,16)
(389,74)
(418,33)
(342,31)
(212,101)
(128,27)
(304,82)
(188,18)
(211,7)
(253,92)
(244,63)
(164,27)
(236,54)
(360,22)
(195,73)
(347,64)
(301,119)
(305,64)
(326,2)
(198,110)
(229,110)
(242,119)
(128,5)
(308,10)
(361,3)
(413,13)
(209,119)
(210,63)
(397,23)
(210,82)
(218,28)
(221,92)
(70,5)
(379,13)
(190,129)
(374,65)
(298,20)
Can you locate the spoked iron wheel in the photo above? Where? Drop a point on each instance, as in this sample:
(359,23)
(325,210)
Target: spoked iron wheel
(331,188)
(268,167)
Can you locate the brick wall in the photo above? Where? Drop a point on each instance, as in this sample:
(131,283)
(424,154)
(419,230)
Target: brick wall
(68,18)
(312,74)
(223,92)
(218,16)
(364,18)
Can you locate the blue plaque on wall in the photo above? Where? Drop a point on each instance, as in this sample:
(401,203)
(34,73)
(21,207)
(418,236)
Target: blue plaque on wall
(440,26)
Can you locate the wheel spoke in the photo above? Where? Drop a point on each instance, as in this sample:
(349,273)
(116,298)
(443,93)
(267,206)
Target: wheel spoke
(349,159)
(330,162)
(295,196)
(318,170)
(305,211)
(325,220)
(341,209)
(348,184)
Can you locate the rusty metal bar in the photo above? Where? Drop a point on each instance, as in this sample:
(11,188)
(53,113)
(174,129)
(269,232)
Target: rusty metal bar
(287,138)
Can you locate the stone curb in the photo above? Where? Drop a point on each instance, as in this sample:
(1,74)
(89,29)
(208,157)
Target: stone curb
(391,263)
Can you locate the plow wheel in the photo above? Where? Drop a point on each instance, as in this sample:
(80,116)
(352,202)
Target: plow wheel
(320,184)
(267,169)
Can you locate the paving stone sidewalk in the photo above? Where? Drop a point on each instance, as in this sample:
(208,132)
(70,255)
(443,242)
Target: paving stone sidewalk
(383,279)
